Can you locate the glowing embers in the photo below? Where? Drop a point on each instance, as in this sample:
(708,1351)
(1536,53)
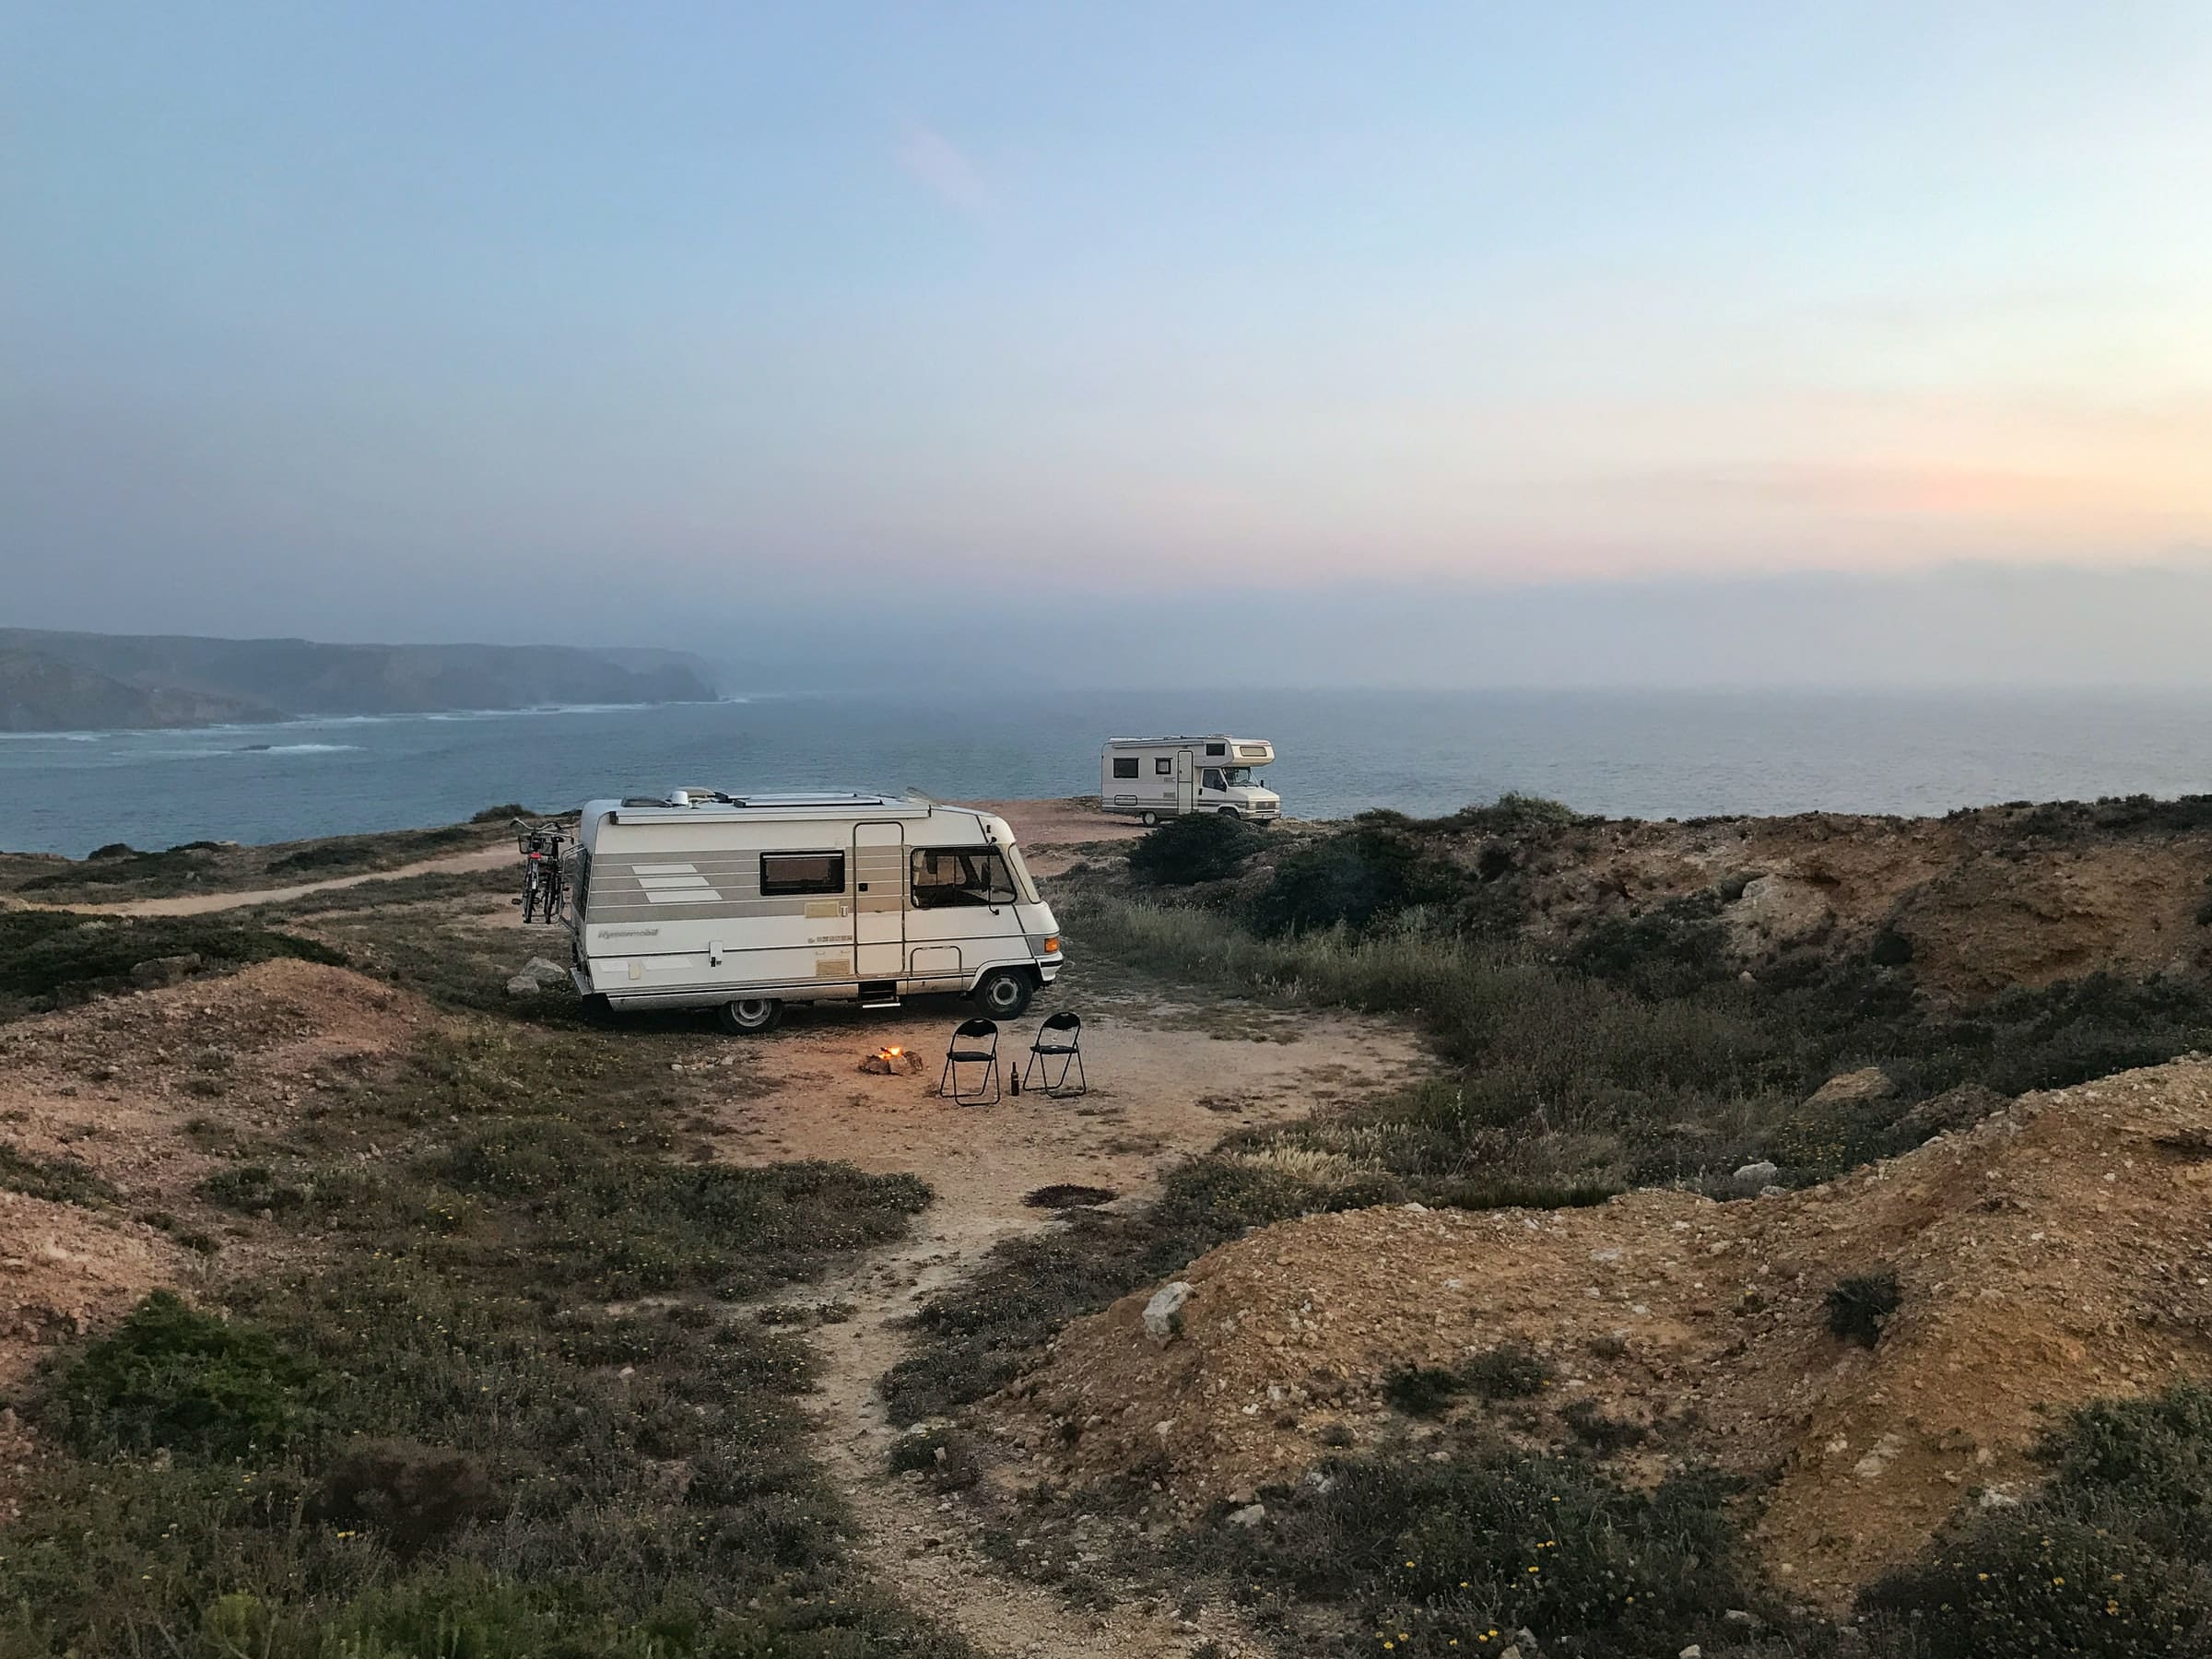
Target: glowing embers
(892,1062)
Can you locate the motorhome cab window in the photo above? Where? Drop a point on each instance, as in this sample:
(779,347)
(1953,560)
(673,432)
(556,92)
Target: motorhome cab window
(1162,765)
(790,875)
(1213,778)
(945,876)
(1124,766)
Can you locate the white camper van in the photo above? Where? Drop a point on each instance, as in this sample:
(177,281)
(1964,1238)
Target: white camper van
(747,902)
(1162,777)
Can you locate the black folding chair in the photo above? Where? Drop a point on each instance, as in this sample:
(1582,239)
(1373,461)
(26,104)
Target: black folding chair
(1059,1037)
(973,1033)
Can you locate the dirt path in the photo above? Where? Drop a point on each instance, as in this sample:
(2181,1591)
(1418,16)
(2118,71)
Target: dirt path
(201,904)
(1167,1080)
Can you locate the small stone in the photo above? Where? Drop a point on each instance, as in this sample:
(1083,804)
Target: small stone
(157,972)
(1692,1651)
(1163,1314)
(1252,1514)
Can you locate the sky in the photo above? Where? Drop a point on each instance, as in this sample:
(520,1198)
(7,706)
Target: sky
(1428,337)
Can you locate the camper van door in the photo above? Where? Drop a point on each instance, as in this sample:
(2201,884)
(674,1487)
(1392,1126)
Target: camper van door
(878,900)
(1186,785)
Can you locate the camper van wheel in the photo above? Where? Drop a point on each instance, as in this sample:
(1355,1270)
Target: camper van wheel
(1148,819)
(1005,993)
(750,1015)
(1231,812)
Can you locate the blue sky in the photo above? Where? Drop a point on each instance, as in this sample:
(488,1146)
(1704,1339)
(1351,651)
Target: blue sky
(659,321)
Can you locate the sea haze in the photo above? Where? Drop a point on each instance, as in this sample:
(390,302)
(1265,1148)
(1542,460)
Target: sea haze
(1657,755)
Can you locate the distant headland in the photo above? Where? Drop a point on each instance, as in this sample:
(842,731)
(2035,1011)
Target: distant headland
(74,682)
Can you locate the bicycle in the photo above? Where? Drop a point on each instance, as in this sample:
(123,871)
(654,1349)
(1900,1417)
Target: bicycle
(545,897)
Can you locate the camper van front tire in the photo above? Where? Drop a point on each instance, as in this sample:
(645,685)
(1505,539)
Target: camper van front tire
(1005,993)
(750,1015)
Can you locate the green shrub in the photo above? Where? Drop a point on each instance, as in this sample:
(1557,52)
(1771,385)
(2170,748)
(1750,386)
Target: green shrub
(2112,1558)
(1859,1307)
(62,1180)
(1441,1554)
(1421,1390)
(1353,879)
(251,1189)
(1509,1371)
(172,1377)
(1196,847)
(412,1495)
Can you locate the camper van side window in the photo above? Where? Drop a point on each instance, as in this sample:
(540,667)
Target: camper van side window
(1162,766)
(1125,766)
(945,877)
(790,875)
(1217,748)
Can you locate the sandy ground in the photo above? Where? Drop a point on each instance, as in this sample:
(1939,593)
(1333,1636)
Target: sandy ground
(1166,1081)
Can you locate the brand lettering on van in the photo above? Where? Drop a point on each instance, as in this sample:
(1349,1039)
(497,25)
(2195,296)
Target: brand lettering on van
(630,933)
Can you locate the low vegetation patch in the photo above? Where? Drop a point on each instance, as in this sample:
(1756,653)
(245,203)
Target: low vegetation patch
(2111,1558)
(1196,847)
(61,1179)
(52,959)
(1860,1306)
(443,1434)
(1455,1555)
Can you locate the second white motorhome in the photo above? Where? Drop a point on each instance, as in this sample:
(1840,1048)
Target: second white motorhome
(744,903)
(1164,777)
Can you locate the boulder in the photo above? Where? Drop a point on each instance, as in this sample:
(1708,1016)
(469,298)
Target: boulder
(521,984)
(1852,1089)
(1163,1314)
(545,970)
(1252,1514)
(1953,1110)
(1753,1179)
(156,971)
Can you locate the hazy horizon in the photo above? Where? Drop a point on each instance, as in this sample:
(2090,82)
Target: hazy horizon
(1591,347)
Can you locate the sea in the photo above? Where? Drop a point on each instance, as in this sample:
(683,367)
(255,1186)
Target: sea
(1674,754)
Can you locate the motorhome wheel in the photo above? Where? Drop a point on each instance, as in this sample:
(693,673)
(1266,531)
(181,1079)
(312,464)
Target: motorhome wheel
(1231,812)
(751,1015)
(1147,820)
(1005,993)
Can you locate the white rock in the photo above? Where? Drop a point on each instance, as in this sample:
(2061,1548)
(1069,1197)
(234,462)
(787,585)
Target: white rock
(1751,1177)
(1252,1514)
(1163,1314)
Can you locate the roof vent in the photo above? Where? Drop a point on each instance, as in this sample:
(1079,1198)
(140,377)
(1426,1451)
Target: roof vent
(679,798)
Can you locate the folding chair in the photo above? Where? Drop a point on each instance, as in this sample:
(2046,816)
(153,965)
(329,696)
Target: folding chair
(972,1032)
(1059,1037)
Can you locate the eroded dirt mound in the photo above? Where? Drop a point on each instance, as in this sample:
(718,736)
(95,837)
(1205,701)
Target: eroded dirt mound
(115,1104)
(2058,1251)
(1977,902)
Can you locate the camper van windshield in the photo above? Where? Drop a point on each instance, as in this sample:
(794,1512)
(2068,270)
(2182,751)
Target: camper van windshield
(1236,777)
(945,876)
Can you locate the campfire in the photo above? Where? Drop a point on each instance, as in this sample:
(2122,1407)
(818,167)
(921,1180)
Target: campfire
(892,1062)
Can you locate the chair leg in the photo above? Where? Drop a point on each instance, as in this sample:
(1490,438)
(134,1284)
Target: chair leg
(1056,1089)
(990,1078)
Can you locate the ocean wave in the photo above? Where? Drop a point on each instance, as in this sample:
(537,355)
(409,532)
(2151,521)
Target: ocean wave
(296,749)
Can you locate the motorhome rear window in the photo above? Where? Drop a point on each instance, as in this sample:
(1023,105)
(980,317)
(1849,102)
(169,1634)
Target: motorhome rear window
(1125,766)
(789,874)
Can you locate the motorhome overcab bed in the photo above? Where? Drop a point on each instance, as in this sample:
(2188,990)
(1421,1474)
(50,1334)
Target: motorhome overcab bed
(1164,777)
(747,902)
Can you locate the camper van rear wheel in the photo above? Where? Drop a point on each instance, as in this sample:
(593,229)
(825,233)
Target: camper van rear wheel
(1148,818)
(1005,993)
(748,1016)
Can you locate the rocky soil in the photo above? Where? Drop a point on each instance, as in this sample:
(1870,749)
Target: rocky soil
(2059,1250)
